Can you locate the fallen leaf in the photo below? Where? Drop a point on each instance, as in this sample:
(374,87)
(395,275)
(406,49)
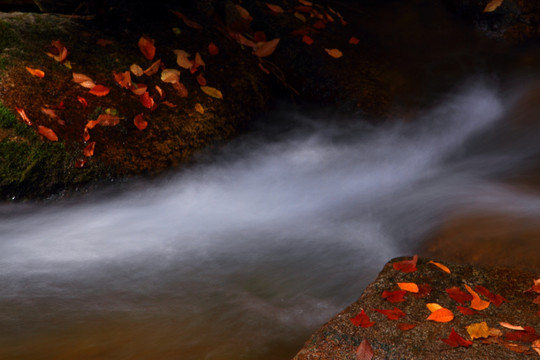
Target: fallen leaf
(146,45)
(536,346)
(170,76)
(67,64)
(405,327)
(529,335)
(476,302)
(99,90)
(83,80)
(440,266)
(267,48)
(213,50)
(47,133)
(36,72)
(319,25)
(364,351)
(466,311)
(259,36)
(79,164)
(493,332)
(354,40)
(394,296)
(139,122)
(161,92)
(49,112)
(495,299)
(393,314)
(362,320)
(152,69)
(89,149)
(300,16)
(182,59)
(136,70)
(82,101)
(190,23)
(201,79)
(410,287)
(181,89)
(243,40)
(169,104)
(406,265)
(433,307)
(62,52)
(197,62)
(304,2)
(455,340)
(511,327)
(307,40)
(138,89)
(123,79)
(276,9)
(423,291)
(537,300)
(104,42)
(459,295)
(519,348)
(265,70)
(493,5)
(146,100)
(335,53)
(478,330)
(213,92)
(305,9)
(441,315)
(86,134)
(244,14)
(25,118)
(107,120)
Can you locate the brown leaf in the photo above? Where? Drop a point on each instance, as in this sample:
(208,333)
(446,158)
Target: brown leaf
(364,351)
(307,40)
(181,89)
(139,122)
(152,69)
(199,108)
(187,21)
(99,90)
(49,112)
(335,53)
(319,25)
(478,330)
(161,92)
(244,14)
(89,149)
(259,36)
(79,164)
(423,291)
(36,72)
(107,120)
(146,45)
(354,40)
(536,346)
(458,295)
(83,80)
(182,59)
(147,101)
(201,80)
(170,76)
(266,48)
(47,133)
(104,42)
(138,89)
(61,51)
(25,118)
(213,92)
(169,104)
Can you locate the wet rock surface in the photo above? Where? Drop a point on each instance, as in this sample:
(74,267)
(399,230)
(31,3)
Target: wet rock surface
(340,338)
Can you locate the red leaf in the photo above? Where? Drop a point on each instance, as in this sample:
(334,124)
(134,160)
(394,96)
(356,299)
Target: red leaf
(89,149)
(393,314)
(458,295)
(362,320)
(424,291)
(266,48)
(147,100)
(201,80)
(146,45)
(405,327)
(307,40)
(82,101)
(47,133)
(537,300)
(394,296)
(406,265)
(259,36)
(364,351)
(319,25)
(354,40)
(466,311)
(79,164)
(23,116)
(123,79)
(495,299)
(99,90)
(213,49)
(139,122)
(455,340)
(529,335)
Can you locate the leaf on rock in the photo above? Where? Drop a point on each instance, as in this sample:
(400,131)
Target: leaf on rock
(476,302)
(199,108)
(300,16)
(493,5)
(170,76)
(495,299)
(306,39)
(197,62)
(405,326)
(394,296)
(455,340)
(213,92)
(213,50)
(99,90)
(319,25)
(47,133)
(136,70)
(152,69)
(335,53)
(82,101)
(146,45)
(441,315)
(259,36)
(406,265)
(123,79)
(459,295)
(139,122)
(169,104)
(364,351)
(466,311)
(423,291)
(433,307)
(276,9)
(410,287)
(478,330)
(23,115)
(61,50)
(182,59)
(440,266)
(362,320)
(529,335)
(354,40)
(146,100)
(36,72)
(267,48)
(393,314)
(89,149)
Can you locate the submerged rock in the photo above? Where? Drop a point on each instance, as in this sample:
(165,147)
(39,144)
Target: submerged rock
(511,301)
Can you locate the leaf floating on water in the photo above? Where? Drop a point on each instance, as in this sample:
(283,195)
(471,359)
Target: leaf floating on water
(440,266)
(36,72)
(406,265)
(335,53)
(493,5)
(364,351)
(99,90)
(89,149)
(476,302)
(139,122)
(362,320)
(410,287)
(213,92)
(23,115)
(266,48)
(47,133)
(441,315)
(455,340)
(147,48)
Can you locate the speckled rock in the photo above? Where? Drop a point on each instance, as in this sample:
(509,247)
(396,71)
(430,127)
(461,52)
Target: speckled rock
(339,338)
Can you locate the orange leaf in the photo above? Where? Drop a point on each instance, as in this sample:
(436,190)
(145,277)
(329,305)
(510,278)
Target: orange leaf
(197,62)
(364,351)
(99,90)
(406,265)
(161,92)
(139,122)
(476,303)
(47,133)
(49,112)
(536,346)
(146,45)
(354,40)
(213,49)
(152,69)
(393,314)
(89,149)
(276,9)
(440,266)
(138,89)
(36,72)
(107,120)
(433,307)
(123,79)
(441,315)
(410,287)
(86,134)
(266,48)
(405,327)
(25,118)
(201,80)
(82,101)
(478,330)
(169,104)
(493,5)
(307,40)
(147,100)
(213,92)
(335,53)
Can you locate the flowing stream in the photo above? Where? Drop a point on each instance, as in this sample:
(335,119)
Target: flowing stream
(244,255)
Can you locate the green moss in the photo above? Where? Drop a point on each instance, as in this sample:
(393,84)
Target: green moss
(8,38)
(8,120)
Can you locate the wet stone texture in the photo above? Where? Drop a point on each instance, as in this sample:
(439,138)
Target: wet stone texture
(339,338)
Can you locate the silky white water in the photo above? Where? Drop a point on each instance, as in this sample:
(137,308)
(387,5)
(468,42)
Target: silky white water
(247,253)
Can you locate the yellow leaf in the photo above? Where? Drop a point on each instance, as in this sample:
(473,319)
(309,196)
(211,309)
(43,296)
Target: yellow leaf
(433,307)
(478,330)
(493,5)
(476,303)
(440,266)
(441,315)
(199,108)
(335,53)
(213,92)
(410,287)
